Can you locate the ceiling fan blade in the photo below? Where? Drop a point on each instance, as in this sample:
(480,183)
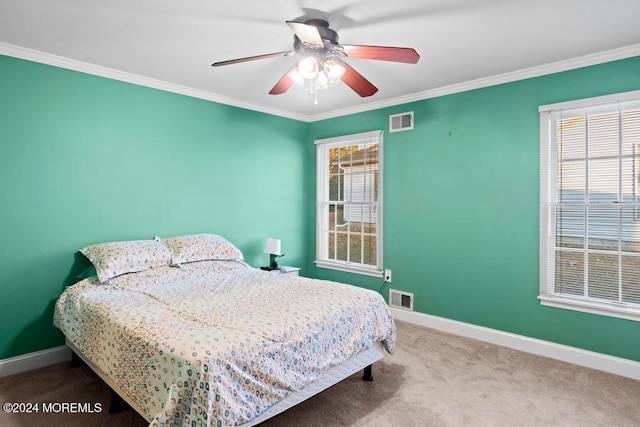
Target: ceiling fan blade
(251,58)
(308,34)
(382,53)
(356,81)
(284,83)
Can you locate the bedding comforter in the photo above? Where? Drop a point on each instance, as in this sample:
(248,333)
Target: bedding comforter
(217,342)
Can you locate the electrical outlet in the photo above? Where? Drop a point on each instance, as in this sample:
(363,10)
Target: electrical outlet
(387,276)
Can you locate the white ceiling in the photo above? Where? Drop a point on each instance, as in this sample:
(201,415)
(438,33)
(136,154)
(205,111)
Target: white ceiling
(171,44)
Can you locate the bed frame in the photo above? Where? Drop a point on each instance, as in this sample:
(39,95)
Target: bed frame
(358,362)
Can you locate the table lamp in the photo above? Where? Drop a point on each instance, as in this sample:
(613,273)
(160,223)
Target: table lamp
(274,250)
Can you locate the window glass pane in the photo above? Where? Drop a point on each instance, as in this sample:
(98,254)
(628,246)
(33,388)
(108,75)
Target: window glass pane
(603,135)
(348,186)
(603,149)
(603,180)
(357,215)
(630,126)
(335,187)
(352,213)
(572,133)
(335,217)
(342,246)
(630,232)
(572,181)
(630,122)
(375,185)
(369,221)
(332,246)
(358,185)
(334,158)
(570,222)
(370,250)
(569,273)
(630,176)
(603,227)
(603,276)
(355,248)
(571,153)
(631,279)
(354,217)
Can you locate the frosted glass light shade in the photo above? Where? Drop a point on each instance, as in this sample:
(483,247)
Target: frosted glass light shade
(273,247)
(334,70)
(308,67)
(322,81)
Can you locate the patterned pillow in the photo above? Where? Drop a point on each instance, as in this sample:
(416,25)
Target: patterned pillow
(201,247)
(116,258)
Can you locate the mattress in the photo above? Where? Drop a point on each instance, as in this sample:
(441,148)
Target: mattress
(218,342)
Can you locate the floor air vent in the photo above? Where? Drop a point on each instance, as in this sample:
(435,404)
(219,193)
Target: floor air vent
(400,299)
(402,121)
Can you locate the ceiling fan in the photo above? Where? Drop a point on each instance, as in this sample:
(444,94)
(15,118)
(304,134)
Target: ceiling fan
(322,62)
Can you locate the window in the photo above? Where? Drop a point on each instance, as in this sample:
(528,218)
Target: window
(349,203)
(589,208)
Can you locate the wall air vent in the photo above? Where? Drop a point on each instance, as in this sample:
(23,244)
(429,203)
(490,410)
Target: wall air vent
(401,299)
(400,122)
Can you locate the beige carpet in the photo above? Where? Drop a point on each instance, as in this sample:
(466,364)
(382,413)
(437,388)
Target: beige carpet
(433,379)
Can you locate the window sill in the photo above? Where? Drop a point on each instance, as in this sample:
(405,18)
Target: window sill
(621,311)
(350,268)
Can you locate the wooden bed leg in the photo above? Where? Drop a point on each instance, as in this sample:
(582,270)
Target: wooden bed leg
(117,404)
(367,374)
(75,360)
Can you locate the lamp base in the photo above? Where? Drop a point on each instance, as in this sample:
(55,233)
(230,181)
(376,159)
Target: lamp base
(273,265)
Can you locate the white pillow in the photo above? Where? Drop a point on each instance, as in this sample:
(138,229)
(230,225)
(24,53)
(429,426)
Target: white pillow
(201,247)
(115,258)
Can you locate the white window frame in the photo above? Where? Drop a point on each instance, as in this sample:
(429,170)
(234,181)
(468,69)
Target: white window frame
(322,198)
(549,114)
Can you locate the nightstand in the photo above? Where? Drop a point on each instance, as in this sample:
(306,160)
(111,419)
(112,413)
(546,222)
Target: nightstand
(283,269)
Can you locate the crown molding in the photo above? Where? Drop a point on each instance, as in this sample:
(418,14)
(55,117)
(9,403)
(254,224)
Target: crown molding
(110,73)
(97,70)
(555,67)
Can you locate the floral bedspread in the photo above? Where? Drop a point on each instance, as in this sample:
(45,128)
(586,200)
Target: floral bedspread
(217,342)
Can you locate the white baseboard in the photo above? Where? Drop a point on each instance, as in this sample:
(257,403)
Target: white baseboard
(590,359)
(35,360)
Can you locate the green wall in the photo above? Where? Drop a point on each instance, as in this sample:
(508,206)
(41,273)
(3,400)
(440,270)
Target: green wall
(85,160)
(461,208)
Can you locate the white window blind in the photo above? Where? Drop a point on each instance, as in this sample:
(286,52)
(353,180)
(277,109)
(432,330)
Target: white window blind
(349,203)
(590,205)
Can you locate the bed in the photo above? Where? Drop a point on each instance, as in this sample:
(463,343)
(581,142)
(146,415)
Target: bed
(188,334)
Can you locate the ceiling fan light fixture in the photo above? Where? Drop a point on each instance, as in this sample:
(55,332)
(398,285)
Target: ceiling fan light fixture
(308,67)
(322,80)
(333,70)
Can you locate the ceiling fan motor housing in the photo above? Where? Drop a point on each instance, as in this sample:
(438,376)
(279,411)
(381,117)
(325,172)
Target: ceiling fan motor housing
(326,34)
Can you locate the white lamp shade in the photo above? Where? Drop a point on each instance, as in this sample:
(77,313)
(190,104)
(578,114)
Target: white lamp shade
(273,247)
